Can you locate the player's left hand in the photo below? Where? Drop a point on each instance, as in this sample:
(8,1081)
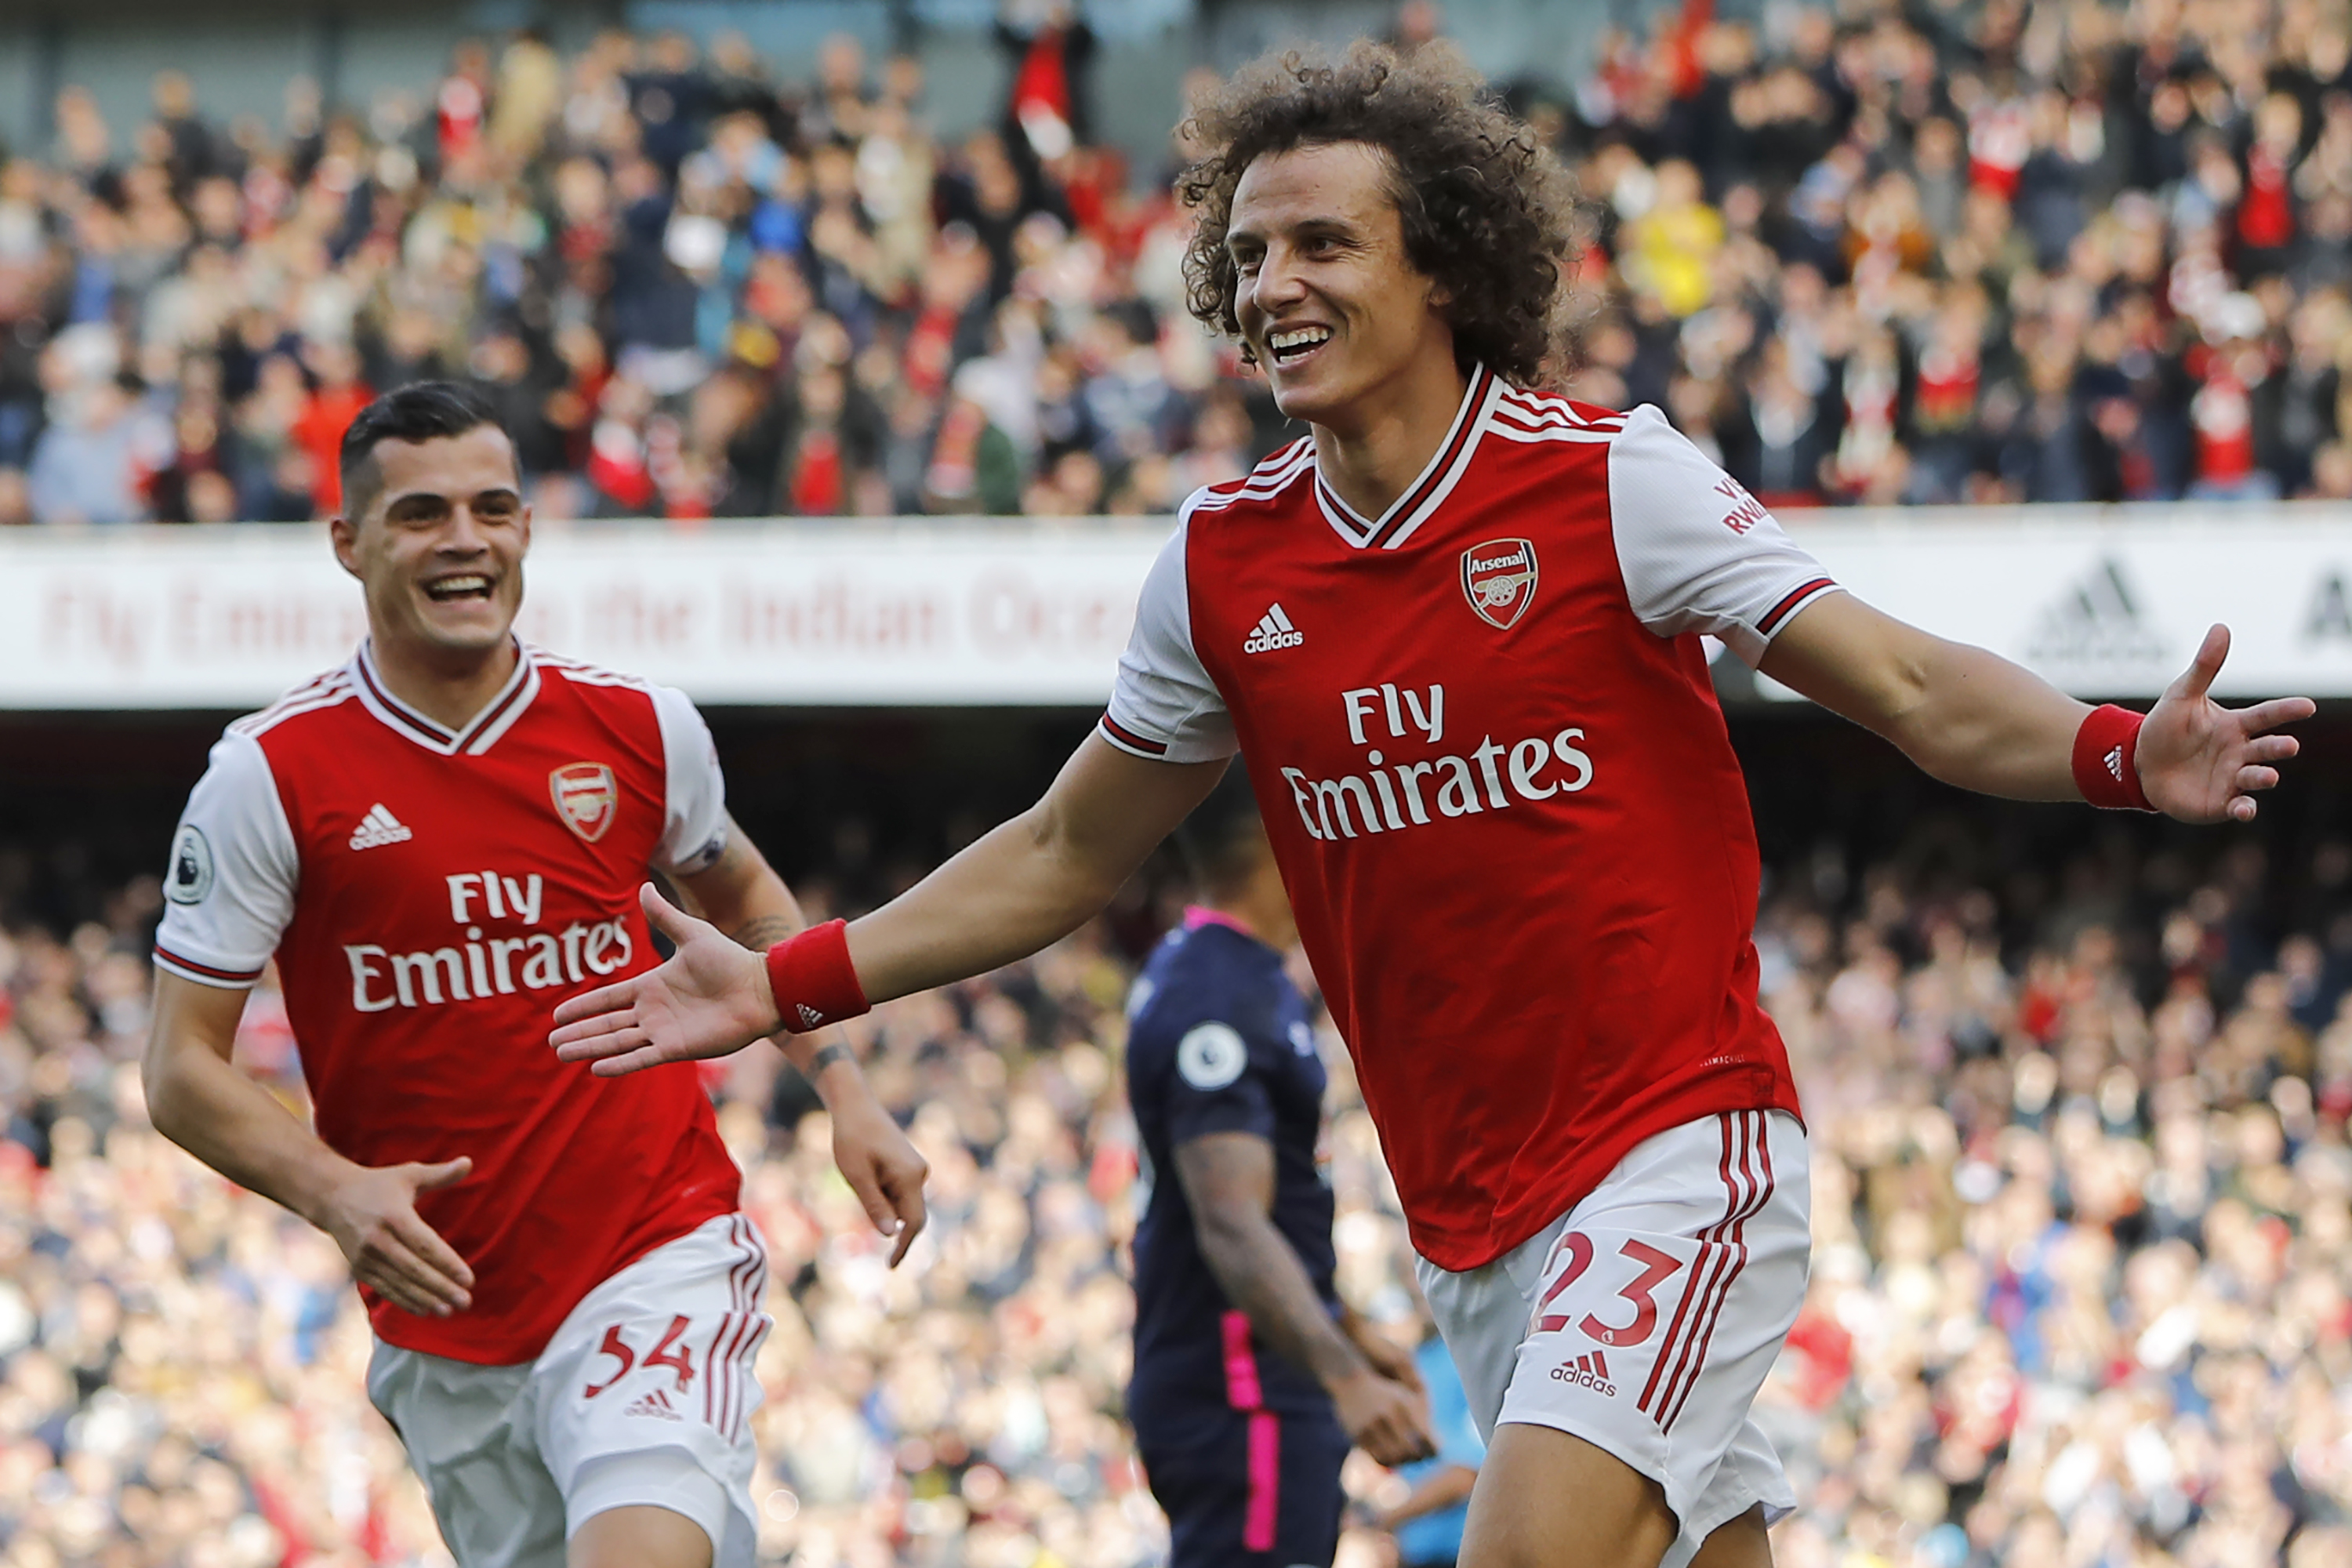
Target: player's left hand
(882,1168)
(2201,762)
(711,997)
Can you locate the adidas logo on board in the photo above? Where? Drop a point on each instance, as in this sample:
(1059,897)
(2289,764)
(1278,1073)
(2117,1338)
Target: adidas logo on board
(379,828)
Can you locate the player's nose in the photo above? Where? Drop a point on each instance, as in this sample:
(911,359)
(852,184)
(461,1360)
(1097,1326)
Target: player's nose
(1278,281)
(465,532)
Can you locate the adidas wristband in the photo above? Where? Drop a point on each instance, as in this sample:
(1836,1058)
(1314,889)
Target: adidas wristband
(813,980)
(2106,765)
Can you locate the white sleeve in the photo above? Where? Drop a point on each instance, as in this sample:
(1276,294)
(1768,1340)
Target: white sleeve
(228,892)
(694,820)
(1698,553)
(1163,705)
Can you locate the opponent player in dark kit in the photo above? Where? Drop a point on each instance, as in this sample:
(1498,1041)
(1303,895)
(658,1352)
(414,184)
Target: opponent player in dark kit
(1251,1378)
(1455,630)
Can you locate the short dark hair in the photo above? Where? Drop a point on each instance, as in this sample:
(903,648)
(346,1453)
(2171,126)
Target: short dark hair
(1487,209)
(421,411)
(1221,839)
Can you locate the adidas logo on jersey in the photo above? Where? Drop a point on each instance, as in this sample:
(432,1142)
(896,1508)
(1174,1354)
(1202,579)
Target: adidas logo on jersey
(1273,631)
(656,1404)
(378,827)
(1587,1371)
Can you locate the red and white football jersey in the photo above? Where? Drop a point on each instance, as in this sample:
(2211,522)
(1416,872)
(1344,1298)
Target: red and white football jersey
(1490,759)
(430,895)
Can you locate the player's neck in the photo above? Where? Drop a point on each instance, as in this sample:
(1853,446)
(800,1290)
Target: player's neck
(447,686)
(1372,451)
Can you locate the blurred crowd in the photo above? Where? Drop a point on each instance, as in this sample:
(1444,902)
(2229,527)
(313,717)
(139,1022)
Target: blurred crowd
(1959,250)
(1980,250)
(691,289)
(2081,1186)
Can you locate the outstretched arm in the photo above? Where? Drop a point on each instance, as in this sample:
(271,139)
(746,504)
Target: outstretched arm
(740,895)
(1024,885)
(1032,880)
(1972,719)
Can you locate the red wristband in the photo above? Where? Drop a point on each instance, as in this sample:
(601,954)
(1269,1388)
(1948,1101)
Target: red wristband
(2106,766)
(813,980)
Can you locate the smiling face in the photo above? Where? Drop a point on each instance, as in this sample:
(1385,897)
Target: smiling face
(1328,300)
(438,544)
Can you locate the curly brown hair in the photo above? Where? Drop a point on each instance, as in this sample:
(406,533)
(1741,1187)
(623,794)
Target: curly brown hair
(1486,210)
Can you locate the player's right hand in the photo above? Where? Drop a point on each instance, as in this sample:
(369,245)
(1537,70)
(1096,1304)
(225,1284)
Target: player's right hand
(1384,1418)
(710,998)
(372,1215)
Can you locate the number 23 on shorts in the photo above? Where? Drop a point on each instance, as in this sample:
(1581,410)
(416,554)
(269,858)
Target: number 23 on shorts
(1646,1269)
(670,1351)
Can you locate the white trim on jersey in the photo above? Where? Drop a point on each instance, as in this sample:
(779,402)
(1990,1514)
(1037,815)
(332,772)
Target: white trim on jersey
(321,692)
(479,734)
(1546,408)
(1453,475)
(1265,481)
(1430,487)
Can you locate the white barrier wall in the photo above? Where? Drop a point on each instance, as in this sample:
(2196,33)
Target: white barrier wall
(946,612)
(787,614)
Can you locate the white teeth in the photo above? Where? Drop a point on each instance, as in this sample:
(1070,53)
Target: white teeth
(1305,337)
(449,588)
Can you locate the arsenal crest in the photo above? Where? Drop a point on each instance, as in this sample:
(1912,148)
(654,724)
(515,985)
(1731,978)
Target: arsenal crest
(1499,577)
(585,797)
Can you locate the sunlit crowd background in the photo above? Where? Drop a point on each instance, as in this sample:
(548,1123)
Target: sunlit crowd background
(2080,1293)
(2082,1190)
(1955,251)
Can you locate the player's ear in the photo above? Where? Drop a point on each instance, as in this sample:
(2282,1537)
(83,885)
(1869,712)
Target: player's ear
(346,535)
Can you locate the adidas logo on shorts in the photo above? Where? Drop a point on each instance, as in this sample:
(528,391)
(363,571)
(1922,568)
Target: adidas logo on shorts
(1273,631)
(657,1405)
(379,828)
(1587,1371)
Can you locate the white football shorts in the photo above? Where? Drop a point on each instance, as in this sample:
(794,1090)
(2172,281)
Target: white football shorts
(1644,1319)
(644,1397)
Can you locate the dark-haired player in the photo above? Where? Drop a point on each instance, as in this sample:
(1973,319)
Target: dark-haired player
(437,841)
(1251,1378)
(1456,632)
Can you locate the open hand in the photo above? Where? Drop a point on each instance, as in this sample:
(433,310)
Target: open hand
(710,998)
(882,1168)
(372,1215)
(2201,762)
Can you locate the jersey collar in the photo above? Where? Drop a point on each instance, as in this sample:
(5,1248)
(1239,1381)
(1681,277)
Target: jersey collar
(480,732)
(1437,479)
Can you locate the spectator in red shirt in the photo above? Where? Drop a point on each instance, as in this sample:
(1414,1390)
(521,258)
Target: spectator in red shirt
(336,396)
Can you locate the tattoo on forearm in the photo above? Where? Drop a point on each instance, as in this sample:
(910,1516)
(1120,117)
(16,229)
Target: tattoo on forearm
(763,932)
(829,1054)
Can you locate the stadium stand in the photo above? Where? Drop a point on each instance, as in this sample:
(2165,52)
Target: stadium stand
(2079,1096)
(2079,1103)
(1938,254)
